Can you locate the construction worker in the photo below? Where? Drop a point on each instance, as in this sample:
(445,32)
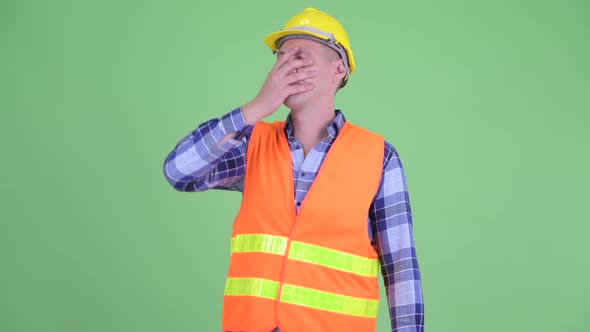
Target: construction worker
(324,201)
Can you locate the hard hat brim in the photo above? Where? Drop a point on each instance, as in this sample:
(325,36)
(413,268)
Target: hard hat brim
(271,40)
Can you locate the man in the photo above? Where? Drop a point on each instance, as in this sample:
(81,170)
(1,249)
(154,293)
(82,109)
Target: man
(324,201)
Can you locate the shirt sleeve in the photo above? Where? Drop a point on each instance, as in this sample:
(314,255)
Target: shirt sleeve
(202,160)
(391,220)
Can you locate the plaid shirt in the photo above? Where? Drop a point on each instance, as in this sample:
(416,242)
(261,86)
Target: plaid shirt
(201,161)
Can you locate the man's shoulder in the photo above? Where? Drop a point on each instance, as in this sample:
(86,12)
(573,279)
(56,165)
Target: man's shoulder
(388,145)
(389,151)
(365,131)
(268,127)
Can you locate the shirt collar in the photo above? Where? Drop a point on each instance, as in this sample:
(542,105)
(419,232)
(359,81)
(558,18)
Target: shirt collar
(333,128)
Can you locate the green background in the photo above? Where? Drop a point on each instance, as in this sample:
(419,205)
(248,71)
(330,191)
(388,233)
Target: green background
(487,103)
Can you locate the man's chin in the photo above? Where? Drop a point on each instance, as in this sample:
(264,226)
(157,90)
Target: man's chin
(298,100)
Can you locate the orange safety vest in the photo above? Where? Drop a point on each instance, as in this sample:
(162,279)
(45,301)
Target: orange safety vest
(311,270)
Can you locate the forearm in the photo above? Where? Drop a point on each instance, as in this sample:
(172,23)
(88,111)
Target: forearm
(211,156)
(403,288)
(394,241)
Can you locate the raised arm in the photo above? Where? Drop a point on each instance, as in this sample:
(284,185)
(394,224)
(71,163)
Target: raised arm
(213,156)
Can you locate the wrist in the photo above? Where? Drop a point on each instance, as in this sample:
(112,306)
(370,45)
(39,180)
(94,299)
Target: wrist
(252,113)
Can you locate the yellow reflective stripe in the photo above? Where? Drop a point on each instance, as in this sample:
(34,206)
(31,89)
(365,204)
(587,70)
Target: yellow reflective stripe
(251,287)
(270,244)
(305,252)
(302,296)
(342,304)
(334,259)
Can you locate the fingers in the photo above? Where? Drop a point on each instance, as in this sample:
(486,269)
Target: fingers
(283,58)
(298,88)
(300,76)
(287,77)
(290,66)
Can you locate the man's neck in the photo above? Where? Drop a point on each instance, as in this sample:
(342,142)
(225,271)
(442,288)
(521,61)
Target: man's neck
(309,125)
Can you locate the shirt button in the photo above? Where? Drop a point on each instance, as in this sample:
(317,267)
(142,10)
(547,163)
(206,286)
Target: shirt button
(298,203)
(302,173)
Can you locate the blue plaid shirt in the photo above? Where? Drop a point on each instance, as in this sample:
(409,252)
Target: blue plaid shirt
(201,161)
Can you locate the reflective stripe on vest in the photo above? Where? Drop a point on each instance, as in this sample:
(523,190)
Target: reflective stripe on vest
(303,296)
(305,252)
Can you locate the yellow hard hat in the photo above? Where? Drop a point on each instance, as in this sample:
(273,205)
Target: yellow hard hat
(319,26)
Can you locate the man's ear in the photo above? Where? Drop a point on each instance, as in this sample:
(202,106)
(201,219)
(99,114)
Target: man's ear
(340,71)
